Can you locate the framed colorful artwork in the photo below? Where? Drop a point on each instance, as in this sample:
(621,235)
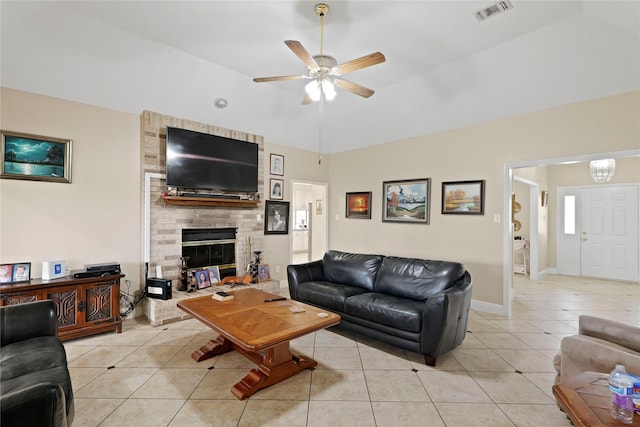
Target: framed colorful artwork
(35,158)
(463,197)
(407,201)
(358,205)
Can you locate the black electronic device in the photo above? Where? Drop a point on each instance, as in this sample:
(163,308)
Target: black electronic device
(202,161)
(158,288)
(106,266)
(83,274)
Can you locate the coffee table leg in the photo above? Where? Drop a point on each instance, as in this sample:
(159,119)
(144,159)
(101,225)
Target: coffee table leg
(212,348)
(277,365)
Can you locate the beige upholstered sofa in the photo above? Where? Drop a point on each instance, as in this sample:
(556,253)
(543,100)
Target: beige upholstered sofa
(599,346)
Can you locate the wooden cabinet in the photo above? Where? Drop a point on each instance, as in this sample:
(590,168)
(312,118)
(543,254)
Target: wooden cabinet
(84,306)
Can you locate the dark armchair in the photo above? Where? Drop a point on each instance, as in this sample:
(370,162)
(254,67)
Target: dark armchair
(35,386)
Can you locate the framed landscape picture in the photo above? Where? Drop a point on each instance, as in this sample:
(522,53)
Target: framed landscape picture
(407,201)
(463,197)
(358,205)
(34,157)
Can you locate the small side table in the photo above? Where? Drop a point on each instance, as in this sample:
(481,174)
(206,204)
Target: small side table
(586,399)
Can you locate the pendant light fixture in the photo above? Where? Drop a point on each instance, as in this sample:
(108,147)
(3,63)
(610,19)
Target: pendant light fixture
(602,170)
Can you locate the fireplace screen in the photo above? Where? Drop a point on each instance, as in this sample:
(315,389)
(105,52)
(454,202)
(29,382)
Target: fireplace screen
(210,247)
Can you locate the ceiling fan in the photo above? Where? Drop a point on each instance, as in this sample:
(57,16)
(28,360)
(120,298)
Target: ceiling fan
(324,70)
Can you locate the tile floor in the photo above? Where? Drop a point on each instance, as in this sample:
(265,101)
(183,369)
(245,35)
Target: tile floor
(500,376)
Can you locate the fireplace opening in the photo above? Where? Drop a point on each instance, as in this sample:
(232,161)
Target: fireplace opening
(210,247)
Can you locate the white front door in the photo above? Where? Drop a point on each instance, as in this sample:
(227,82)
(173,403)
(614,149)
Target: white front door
(609,232)
(598,232)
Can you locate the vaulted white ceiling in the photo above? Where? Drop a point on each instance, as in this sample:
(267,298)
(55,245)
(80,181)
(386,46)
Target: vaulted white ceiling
(444,69)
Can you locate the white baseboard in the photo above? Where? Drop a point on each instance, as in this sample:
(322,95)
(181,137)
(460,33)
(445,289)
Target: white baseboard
(489,307)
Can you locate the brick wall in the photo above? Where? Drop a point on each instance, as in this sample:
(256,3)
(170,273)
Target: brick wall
(167,222)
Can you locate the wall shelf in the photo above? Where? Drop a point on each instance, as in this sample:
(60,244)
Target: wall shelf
(210,202)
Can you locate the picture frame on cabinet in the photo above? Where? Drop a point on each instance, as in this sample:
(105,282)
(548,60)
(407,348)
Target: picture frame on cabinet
(35,157)
(15,273)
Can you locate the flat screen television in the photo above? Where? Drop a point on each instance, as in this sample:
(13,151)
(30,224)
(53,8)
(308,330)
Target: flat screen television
(202,161)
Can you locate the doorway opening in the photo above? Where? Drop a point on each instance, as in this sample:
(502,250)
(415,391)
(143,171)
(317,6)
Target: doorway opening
(508,233)
(309,215)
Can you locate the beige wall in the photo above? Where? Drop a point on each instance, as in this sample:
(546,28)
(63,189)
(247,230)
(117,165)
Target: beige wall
(299,165)
(475,152)
(96,218)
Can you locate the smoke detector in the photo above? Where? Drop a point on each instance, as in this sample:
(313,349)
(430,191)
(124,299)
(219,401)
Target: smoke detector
(494,9)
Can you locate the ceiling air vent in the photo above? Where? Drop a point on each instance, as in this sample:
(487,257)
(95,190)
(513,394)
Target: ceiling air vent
(494,9)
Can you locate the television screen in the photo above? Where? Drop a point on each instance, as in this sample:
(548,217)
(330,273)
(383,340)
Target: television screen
(198,160)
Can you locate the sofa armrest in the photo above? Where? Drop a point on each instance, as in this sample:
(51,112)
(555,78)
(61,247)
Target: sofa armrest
(445,317)
(29,320)
(300,273)
(41,404)
(616,332)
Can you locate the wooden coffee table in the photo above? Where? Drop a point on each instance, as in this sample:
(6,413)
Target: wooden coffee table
(586,399)
(260,331)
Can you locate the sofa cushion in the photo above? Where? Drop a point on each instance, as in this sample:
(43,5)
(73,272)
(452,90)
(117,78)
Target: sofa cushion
(352,269)
(388,310)
(32,355)
(416,279)
(327,295)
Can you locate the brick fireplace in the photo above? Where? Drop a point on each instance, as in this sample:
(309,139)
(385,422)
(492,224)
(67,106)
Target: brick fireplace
(167,222)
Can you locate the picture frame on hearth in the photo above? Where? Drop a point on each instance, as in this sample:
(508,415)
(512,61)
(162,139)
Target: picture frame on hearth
(35,157)
(263,273)
(277,164)
(407,201)
(463,197)
(214,275)
(277,189)
(202,279)
(15,273)
(358,205)
(276,216)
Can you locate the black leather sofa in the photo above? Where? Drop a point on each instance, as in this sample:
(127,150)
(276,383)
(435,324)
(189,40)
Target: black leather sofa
(415,304)
(35,386)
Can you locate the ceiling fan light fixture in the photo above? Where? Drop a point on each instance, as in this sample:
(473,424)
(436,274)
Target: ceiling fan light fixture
(328,90)
(313,90)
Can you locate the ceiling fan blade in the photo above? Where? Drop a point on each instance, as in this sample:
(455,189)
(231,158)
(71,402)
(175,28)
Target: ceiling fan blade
(278,78)
(307,99)
(302,53)
(359,63)
(353,88)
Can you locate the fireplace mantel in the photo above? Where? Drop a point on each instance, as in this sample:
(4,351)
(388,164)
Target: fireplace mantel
(200,201)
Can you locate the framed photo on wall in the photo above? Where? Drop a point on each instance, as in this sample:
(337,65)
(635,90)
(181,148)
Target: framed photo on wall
(276,216)
(277,164)
(406,201)
(358,205)
(35,158)
(277,188)
(463,197)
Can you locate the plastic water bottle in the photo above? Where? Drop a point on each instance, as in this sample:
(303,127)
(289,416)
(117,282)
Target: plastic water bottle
(621,386)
